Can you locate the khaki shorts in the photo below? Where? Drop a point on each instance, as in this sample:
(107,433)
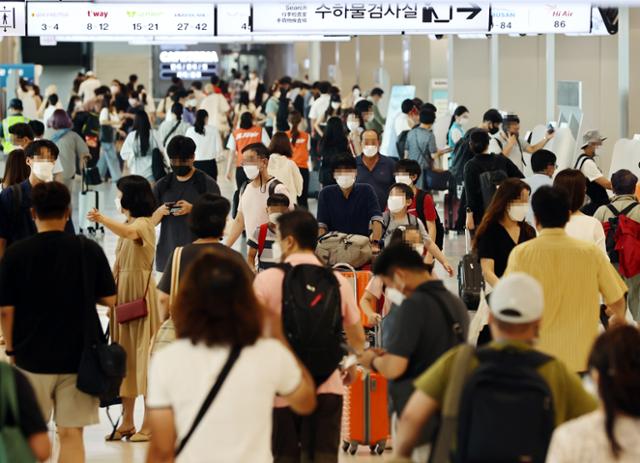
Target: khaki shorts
(58,395)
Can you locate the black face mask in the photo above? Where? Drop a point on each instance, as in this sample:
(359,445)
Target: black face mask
(181,171)
(494,130)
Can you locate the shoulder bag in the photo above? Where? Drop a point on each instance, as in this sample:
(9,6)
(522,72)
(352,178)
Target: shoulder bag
(231,360)
(133,310)
(167,332)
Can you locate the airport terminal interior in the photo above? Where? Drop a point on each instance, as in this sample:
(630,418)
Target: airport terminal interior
(319,231)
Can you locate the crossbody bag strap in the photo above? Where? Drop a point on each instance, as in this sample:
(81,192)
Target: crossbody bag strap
(175,275)
(146,290)
(231,360)
(175,127)
(454,325)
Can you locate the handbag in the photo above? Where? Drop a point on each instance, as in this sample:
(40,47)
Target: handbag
(341,248)
(167,332)
(102,365)
(231,360)
(130,311)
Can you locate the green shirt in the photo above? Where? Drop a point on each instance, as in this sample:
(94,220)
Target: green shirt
(569,397)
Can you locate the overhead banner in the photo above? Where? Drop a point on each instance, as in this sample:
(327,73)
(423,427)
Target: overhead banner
(105,19)
(370,18)
(552,18)
(12,20)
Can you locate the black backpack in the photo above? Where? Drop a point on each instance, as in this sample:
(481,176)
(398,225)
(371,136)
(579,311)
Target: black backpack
(461,154)
(312,317)
(506,409)
(614,256)
(401,143)
(489,181)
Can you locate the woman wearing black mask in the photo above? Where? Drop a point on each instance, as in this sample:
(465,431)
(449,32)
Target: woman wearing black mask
(176,193)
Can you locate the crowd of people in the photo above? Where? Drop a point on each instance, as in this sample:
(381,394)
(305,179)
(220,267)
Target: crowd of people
(245,356)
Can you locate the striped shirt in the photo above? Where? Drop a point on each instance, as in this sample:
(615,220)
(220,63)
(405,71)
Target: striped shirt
(573,274)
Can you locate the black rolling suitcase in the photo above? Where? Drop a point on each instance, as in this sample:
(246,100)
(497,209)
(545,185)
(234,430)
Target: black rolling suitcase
(470,280)
(89,199)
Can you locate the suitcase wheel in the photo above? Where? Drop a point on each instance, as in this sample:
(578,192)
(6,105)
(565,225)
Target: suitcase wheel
(353,448)
(378,448)
(345,446)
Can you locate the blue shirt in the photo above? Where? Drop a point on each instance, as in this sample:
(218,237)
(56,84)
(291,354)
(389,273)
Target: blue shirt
(16,222)
(380,178)
(421,144)
(350,215)
(455,127)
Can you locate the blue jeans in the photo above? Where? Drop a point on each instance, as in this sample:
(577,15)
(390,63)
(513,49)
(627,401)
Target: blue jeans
(109,159)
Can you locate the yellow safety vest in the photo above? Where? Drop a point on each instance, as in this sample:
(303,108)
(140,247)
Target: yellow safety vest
(10,121)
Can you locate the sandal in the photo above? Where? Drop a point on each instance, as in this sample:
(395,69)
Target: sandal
(140,437)
(119,435)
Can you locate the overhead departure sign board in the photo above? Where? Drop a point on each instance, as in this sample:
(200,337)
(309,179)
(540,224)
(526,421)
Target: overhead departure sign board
(12,21)
(233,19)
(370,18)
(104,19)
(557,18)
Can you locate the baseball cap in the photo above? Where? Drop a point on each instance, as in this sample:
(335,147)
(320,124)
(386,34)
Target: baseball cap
(517,298)
(16,103)
(90,74)
(592,136)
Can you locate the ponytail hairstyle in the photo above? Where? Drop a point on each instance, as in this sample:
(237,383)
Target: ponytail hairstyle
(616,358)
(246,120)
(201,118)
(142,127)
(294,119)
(177,109)
(460,110)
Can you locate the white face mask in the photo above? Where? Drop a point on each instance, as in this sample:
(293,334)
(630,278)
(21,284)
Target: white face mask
(273,217)
(192,103)
(117,203)
(370,150)
(406,179)
(276,251)
(518,212)
(345,181)
(114,89)
(133,102)
(335,105)
(43,170)
(395,203)
(394,296)
(353,125)
(356,93)
(464,121)
(251,171)
(419,248)
(370,117)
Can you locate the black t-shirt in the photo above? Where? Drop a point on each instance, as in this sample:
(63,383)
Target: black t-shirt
(421,334)
(479,164)
(29,413)
(496,244)
(42,278)
(174,230)
(189,253)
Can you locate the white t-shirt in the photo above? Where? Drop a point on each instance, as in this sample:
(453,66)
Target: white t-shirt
(209,145)
(590,170)
(217,107)
(106,116)
(140,165)
(253,204)
(237,426)
(498,142)
(87,89)
(46,115)
(401,123)
(586,228)
(319,107)
(584,440)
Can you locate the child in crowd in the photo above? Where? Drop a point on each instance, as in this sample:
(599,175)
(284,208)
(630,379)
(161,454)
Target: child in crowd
(262,245)
(400,199)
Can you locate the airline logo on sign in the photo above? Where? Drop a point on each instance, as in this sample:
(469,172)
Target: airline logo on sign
(372,18)
(12,19)
(550,18)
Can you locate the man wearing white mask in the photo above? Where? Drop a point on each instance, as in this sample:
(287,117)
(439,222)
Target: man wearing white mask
(16,222)
(374,168)
(428,321)
(597,183)
(349,207)
(252,209)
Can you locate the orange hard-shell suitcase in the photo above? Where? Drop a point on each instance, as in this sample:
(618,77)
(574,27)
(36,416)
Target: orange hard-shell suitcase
(359,279)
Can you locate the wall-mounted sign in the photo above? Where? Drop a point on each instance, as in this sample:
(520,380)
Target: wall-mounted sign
(233,19)
(12,20)
(188,65)
(105,19)
(370,18)
(552,18)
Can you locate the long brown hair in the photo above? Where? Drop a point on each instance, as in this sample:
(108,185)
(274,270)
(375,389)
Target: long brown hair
(280,144)
(294,119)
(16,169)
(574,183)
(216,303)
(616,357)
(508,191)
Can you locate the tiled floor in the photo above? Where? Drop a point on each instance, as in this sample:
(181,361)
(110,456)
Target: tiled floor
(99,451)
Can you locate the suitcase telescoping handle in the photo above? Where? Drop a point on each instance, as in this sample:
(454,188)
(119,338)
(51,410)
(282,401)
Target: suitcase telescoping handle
(342,267)
(467,241)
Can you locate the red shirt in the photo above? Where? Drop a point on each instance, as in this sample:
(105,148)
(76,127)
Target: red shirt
(430,214)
